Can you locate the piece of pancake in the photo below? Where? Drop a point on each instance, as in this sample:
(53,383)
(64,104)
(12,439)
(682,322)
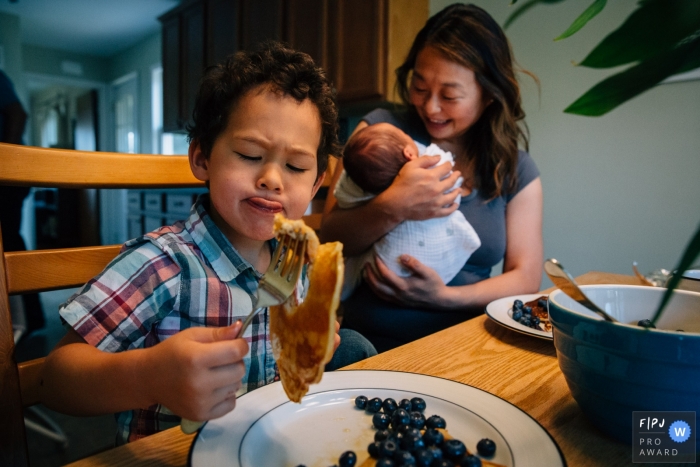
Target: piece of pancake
(303,334)
(541,312)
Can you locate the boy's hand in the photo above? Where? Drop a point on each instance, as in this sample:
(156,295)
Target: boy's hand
(197,372)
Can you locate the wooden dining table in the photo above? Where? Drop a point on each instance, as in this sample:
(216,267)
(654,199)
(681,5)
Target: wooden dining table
(518,368)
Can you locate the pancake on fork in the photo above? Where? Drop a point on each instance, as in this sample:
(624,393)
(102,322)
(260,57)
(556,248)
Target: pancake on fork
(303,333)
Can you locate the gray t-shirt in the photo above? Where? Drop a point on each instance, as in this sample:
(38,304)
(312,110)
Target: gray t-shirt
(387,325)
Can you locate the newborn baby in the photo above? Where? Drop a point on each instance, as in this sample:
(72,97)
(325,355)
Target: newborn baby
(372,158)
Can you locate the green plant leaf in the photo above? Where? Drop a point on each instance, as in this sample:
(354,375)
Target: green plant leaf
(656,26)
(523,8)
(689,256)
(585,17)
(613,91)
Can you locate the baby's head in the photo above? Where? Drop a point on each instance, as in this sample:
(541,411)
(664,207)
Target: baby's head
(374,155)
(285,71)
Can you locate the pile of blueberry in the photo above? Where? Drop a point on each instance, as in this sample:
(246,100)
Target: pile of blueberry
(405,438)
(523,313)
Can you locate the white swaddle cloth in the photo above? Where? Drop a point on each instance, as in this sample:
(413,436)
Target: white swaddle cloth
(442,243)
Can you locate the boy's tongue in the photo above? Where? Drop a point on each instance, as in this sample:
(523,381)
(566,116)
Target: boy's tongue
(265,204)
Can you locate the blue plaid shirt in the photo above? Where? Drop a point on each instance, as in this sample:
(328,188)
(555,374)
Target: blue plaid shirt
(179,276)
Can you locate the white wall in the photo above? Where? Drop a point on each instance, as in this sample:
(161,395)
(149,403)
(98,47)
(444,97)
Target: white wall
(618,188)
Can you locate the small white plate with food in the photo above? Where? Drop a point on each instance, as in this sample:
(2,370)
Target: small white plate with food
(510,312)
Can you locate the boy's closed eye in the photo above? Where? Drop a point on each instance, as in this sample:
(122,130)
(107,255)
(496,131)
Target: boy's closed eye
(248,158)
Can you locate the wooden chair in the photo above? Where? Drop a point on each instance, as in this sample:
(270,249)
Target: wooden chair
(44,270)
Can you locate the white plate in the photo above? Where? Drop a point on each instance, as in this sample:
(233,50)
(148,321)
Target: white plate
(266,429)
(501,311)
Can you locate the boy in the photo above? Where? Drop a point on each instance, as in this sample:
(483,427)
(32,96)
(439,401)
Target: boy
(152,337)
(372,158)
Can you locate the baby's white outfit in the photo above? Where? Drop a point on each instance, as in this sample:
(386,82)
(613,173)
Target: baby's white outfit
(442,243)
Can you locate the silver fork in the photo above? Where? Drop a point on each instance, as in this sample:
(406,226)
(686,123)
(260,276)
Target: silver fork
(275,287)
(282,275)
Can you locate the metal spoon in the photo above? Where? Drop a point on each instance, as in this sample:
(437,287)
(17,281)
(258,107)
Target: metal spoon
(568,285)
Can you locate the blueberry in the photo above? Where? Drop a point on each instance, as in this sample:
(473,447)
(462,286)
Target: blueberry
(435,421)
(373,449)
(443,463)
(380,421)
(347,459)
(454,449)
(401,429)
(373,405)
(435,452)
(412,440)
(389,406)
(534,321)
(387,448)
(486,447)
(518,304)
(542,303)
(381,435)
(361,402)
(405,458)
(400,417)
(525,321)
(417,420)
(646,323)
(418,404)
(527,310)
(406,405)
(517,315)
(433,437)
(385,462)
(470,461)
(423,458)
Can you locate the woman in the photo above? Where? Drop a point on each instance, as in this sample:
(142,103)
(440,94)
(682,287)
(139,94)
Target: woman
(460,93)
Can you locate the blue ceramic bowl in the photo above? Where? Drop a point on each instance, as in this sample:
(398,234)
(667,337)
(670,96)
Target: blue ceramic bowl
(613,369)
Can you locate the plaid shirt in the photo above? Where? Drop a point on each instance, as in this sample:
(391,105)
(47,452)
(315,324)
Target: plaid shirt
(174,278)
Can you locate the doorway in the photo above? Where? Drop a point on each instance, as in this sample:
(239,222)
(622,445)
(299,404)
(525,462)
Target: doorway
(64,113)
(124,127)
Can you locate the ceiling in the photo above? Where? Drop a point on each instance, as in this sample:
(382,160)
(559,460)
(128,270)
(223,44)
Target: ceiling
(94,27)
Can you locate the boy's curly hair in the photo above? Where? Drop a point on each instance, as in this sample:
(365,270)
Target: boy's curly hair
(287,71)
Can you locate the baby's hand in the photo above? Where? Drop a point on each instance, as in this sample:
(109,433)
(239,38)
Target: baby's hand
(197,372)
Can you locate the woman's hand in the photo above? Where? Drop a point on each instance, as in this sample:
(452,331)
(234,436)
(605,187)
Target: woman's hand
(423,288)
(336,338)
(418,191)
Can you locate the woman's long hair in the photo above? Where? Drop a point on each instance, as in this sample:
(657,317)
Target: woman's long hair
(469,36)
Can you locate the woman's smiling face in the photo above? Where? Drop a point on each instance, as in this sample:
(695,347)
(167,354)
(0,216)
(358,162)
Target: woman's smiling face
(263,163)
(446,96)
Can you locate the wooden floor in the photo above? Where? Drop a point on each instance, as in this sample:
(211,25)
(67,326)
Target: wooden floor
(86,435)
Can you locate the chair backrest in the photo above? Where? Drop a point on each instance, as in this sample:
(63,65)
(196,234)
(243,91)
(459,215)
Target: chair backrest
(44,270)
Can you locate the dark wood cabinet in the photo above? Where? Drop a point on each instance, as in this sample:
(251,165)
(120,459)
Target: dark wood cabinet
(369,39)
(193,57)
(358,42)
(307,28)
(196,34)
